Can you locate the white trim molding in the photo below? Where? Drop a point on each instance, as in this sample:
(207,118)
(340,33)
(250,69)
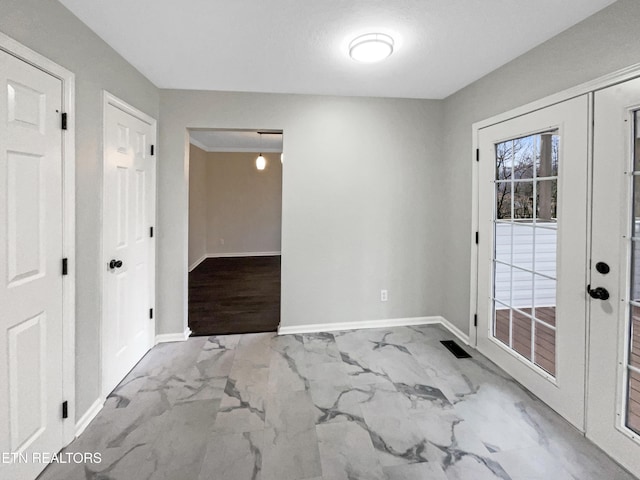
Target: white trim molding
(88,416)
(67,78)
(383,323)
(231,255)
(204,147)
(173,337)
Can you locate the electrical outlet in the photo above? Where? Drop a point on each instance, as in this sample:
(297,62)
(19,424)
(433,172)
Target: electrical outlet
(383,296)
(222,241)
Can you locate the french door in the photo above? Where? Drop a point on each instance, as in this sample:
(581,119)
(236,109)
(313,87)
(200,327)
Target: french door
(613,407)
(559,267)
(533,251)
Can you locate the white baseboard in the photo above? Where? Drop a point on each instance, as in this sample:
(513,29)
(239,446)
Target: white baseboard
(173,337)
(389,322)
(89,415)
(455,330)
(231,255)
(243,254)
(197,262)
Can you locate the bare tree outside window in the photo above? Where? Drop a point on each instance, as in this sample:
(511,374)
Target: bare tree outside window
(516,162)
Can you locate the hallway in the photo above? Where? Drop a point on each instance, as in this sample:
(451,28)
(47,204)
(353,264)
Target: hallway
(235,295)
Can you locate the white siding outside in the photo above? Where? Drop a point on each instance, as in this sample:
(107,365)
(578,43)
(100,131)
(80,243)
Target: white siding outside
(515,287)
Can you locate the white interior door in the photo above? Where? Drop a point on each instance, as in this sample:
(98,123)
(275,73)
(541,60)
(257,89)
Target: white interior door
(613,419)
(532,251)
(30,265)
(129,253)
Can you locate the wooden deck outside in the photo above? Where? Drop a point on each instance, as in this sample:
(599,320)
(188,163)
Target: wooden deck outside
(545,348)
(545,337)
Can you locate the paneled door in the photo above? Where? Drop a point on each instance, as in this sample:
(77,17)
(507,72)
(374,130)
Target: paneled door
(129,245)
(31,228)
(613,419)
(533,251)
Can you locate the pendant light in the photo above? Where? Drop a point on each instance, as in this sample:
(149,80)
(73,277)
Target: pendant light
(261,162)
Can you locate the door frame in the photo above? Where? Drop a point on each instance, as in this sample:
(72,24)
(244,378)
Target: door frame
(108,99)
(16,49)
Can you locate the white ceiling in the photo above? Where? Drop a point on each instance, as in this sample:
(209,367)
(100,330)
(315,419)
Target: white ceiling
(236,141)
(300,46)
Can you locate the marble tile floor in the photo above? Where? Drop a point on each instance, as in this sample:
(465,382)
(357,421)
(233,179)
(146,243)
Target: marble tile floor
(380,404)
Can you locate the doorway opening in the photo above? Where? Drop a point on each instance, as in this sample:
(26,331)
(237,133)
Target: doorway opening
(235,216)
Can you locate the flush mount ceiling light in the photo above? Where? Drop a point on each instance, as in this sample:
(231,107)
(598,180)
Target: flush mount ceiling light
(371,47)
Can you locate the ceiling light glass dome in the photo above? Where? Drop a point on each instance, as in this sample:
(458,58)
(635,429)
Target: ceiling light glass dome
(371,47)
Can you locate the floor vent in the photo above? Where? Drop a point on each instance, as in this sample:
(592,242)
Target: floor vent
(456,349)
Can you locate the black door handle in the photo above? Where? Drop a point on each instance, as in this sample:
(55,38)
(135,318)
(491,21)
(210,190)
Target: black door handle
(115,264)
(598,293)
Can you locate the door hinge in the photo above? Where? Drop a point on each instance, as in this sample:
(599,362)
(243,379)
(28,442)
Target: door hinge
(151,313)
(65,409)
(65,266)
(475,320)
(477,154)
(63,122)
(477,237)
(153,150)
(151,232)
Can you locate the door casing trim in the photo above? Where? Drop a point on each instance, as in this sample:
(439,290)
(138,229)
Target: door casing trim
(20,51)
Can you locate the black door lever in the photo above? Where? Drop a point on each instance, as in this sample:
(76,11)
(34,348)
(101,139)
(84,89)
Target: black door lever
(599,293)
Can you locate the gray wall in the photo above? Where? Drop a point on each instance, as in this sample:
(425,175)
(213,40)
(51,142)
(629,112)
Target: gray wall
(361,202)
(51,30)
(244,204)
(198,203)
(601,44)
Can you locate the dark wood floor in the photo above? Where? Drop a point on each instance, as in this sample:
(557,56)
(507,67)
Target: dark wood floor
(235,295)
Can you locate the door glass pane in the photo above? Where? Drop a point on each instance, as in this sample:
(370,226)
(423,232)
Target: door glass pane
(523,200)
(503,236)
(523,245)
(545,345)
(546,208)
(634,353)
(502,284)
(633,408)
(635,270)
(502,325)
(504,160)
(525,230)
(522,334)
(633,361)
(503,201)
